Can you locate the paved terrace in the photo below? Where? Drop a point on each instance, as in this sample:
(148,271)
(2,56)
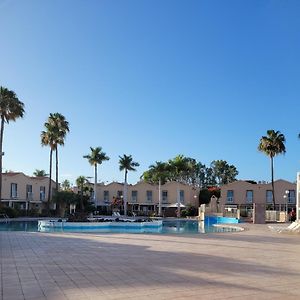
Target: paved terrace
(254,264)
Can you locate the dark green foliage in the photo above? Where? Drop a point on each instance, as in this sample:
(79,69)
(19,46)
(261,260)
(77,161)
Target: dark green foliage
(222,172)
(189,211)
(9,211)
(206,193)
(187,170)
(204,196)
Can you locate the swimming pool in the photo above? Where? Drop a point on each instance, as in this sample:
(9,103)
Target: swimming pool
(168,227)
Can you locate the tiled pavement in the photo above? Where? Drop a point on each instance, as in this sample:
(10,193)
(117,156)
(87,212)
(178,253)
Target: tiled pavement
(254,264)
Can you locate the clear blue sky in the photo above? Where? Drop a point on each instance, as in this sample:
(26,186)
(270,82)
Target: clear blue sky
(153,79)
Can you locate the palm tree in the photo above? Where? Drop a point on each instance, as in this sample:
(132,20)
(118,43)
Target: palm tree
(66,185)
(11,108)
(61,128)
(40,173)
(95,158)
(80,182)
(272,145)
(48,138)
(157,173)
(126,163)
(178,167)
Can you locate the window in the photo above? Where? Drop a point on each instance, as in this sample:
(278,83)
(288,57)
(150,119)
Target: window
(42,193)
(29,192)
(229,198)
(269,196)
(106,196)
(181,196)
(164,196)
(134,196)
(13,190)
(249,196)
(120,194)
(149,196)
(291,197)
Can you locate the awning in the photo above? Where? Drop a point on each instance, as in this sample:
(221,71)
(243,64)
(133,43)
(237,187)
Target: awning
(175,205)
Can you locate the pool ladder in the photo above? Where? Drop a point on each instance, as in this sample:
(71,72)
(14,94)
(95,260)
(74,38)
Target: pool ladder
(5,217)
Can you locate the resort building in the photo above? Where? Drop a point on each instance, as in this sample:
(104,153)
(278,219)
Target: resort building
(24,192)
(245,193)
(143,197)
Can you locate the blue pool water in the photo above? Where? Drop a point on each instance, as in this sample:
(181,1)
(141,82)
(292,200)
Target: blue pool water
(169,227)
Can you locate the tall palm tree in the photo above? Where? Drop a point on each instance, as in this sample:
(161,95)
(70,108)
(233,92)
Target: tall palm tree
(48,138)
(61,127)
(40,173)
(272,144)
(11,108)
(95,158)
(158,174)
(178,167)
(126,163)
(80,182)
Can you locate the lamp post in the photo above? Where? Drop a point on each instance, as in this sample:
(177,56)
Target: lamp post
(286,198)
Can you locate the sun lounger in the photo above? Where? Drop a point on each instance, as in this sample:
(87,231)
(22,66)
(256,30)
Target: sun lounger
(294,227)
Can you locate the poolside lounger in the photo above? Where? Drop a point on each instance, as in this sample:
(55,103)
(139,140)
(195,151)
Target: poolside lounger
(294,227)
(116,214)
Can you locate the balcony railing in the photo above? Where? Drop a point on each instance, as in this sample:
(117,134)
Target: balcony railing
(229,199)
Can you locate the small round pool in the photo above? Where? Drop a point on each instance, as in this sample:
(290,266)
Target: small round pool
(170,226)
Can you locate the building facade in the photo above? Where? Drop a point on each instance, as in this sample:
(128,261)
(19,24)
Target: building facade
(143,197)
(24,192)
(245,193)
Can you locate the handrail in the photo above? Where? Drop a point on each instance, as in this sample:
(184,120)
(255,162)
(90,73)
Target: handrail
(5,217)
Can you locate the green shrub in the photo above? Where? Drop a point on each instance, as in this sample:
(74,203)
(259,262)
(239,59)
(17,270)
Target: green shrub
(183,213)
(191,211)
(33,212)
(11,212)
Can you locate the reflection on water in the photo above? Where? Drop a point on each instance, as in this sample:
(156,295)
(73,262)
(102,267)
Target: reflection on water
(169,227)
(19,226)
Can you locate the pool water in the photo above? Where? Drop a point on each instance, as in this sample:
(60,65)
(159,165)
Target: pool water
(169,227)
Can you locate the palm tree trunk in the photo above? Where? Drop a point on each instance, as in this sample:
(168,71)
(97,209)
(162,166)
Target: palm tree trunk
(50,180)
(95,186)
(56,180)
(1,156)
(272,176)
(125,194)
(81,198)
(56,167)
(159,198)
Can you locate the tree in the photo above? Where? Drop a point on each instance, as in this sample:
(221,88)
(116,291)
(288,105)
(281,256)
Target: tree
(81,181)
(11,108)
(48,138)
(63,199)
(188,171)
(56,129)
(222,172)
(157,172)
(272,144)
(95,158)
(40,173)
(60,127)
(127,164)
(66,185)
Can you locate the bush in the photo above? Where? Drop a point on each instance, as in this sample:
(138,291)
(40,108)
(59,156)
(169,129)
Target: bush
(191,211)
(11,212)
(183,213)
(78,217)
(33,212)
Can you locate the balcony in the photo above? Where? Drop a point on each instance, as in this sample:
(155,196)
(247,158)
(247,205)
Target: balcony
(229,200)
